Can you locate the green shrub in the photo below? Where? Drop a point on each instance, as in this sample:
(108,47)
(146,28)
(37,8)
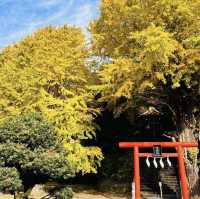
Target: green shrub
(64,193)
(30,148)
(9,180)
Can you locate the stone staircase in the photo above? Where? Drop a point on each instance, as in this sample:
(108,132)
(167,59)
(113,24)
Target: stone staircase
(149,182)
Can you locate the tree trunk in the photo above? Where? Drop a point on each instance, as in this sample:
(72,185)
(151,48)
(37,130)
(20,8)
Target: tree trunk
(191,157)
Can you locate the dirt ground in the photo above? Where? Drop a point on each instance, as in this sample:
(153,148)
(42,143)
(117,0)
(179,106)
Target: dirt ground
(6,196)
(83,193)
(92,194)
(87,192)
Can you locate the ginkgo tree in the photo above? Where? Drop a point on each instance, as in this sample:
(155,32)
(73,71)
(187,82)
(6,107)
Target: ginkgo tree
(47,72)
(153,51)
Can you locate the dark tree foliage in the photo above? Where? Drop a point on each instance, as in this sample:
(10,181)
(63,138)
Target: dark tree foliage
(9,180)
(31,153)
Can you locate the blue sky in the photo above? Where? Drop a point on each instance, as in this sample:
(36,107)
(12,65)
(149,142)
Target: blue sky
(19,18)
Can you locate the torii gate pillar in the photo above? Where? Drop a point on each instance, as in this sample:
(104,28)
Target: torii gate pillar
(179,154)
(137,172)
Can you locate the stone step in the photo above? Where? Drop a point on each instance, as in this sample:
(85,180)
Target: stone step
(157,195)
(149,181)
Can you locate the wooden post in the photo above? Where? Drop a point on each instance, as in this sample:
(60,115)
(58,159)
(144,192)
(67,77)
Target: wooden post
(137,172)
(133,190)
(182,174)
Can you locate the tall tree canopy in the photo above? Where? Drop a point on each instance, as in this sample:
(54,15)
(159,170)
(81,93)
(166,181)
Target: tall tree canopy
(47,72)
(153,48)
(150,42)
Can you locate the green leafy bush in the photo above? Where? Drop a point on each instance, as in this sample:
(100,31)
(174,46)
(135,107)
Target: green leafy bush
(9,180)
(30,148)
(65,193)
(30,130)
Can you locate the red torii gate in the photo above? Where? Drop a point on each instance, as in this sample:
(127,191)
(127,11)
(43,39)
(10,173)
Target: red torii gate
(179,154)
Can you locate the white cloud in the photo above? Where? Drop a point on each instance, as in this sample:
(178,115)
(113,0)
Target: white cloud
(49,19)
(59,12)
(37,23)
(11,38)
(82,16)
(64,8)
(48,3)
(30,27)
